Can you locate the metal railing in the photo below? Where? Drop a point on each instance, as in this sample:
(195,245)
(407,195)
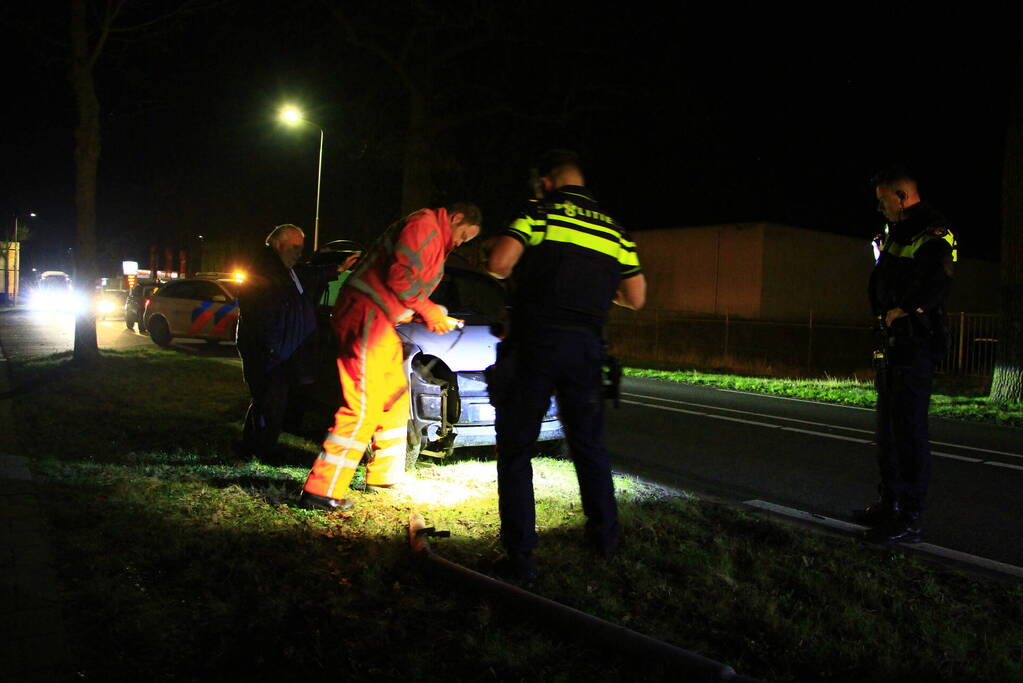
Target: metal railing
(678,339)
(974,344)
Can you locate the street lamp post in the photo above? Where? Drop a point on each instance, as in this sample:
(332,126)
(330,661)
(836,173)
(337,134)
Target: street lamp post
(291,115)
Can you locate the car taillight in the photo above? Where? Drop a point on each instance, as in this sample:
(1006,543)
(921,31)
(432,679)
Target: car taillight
(146,305)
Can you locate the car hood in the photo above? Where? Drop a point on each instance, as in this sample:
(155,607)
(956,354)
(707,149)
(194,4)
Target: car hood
(471,349)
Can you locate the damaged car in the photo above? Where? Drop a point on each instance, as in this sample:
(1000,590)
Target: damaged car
(447,386)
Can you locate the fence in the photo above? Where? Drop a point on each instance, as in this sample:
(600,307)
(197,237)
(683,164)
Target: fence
(677,339)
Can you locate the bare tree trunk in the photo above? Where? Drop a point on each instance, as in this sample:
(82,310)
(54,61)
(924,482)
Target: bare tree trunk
(87,146)
(1007,383)
(416,181)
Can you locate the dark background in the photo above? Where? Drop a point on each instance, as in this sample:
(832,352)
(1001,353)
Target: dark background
(699,115)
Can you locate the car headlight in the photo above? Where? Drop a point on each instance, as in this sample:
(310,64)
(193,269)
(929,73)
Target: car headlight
(105,306)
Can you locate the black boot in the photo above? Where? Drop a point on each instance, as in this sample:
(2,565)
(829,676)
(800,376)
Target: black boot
(907,527)
(877,513)
(310,501)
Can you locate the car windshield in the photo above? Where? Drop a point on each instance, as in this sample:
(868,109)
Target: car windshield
(54,283)
(473,297)
(231,286)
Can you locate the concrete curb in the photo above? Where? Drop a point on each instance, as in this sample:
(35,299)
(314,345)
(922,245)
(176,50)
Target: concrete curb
(32,642)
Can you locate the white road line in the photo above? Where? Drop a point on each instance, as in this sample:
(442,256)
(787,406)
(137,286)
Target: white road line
(1010,466)
(793,419)
(830,436)
(955,457)
(979,450)
(750,412)
(789,398)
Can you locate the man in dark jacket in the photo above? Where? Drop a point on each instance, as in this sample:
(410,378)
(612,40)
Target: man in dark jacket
(276,318)
(908,291)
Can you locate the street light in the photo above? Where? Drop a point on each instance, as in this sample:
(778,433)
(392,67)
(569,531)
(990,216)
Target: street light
(30,214)
(292,116)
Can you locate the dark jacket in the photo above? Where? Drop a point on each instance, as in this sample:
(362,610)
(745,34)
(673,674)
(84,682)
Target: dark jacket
(914,271)
(275,318)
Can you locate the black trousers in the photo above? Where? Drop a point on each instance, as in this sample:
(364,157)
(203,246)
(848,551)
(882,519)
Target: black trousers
(565,363)
(903,438)
(264,419)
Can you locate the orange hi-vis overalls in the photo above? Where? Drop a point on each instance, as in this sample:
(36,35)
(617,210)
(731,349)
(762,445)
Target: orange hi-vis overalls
(391,284)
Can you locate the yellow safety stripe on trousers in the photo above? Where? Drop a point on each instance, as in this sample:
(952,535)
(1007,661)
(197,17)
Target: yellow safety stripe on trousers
(345,442)
(391,452)
(341,461)
(387,434)
(367,326)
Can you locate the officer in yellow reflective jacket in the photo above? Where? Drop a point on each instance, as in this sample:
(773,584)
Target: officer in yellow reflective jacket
(570,261)
(908,290)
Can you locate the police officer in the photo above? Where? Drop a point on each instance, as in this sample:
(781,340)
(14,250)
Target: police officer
(570,261)
(908,291)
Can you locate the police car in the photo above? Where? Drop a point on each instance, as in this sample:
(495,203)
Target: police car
(204,307)
(447,387)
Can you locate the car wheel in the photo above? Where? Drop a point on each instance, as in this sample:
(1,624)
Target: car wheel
(413,446)
(159,331)
(130,324)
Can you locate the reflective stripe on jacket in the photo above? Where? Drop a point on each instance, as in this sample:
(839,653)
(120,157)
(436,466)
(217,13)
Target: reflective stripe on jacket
(404,265)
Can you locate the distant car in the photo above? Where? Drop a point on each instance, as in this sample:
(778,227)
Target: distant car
(109,303)
(195,309)
(53,292)
(447,386)
(135,303)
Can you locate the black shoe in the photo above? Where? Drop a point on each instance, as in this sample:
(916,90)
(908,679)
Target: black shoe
(310,501)
(877,514)
(906,528)
(517,566)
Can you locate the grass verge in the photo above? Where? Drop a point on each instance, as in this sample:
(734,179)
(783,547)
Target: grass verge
(177,561)
(952,399)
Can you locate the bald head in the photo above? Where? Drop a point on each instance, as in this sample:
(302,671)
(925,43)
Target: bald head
(288,241)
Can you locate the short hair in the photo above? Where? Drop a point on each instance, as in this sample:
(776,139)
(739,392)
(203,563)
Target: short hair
(893,175)
(470,212)
(556,159)
(278,232)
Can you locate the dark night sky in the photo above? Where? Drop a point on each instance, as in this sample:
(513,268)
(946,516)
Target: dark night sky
(688,117)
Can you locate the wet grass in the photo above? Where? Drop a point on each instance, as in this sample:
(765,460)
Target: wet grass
(952,398)
(178,561)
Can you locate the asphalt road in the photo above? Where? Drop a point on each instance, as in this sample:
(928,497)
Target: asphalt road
(24,332)
(816,457)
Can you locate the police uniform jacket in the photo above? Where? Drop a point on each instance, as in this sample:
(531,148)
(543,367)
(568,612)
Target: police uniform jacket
(575,257)
(914,270)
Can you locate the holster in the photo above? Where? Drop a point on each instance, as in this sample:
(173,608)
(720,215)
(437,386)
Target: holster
(501,375)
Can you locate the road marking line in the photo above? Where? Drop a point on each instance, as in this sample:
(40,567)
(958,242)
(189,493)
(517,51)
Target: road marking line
(750,412)
(947,553)
(789,398)
(980,450)
(830,436)
(956,457)
(809,422)
(995,463)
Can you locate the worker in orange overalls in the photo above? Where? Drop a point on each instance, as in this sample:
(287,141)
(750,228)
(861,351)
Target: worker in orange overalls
(391,284)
